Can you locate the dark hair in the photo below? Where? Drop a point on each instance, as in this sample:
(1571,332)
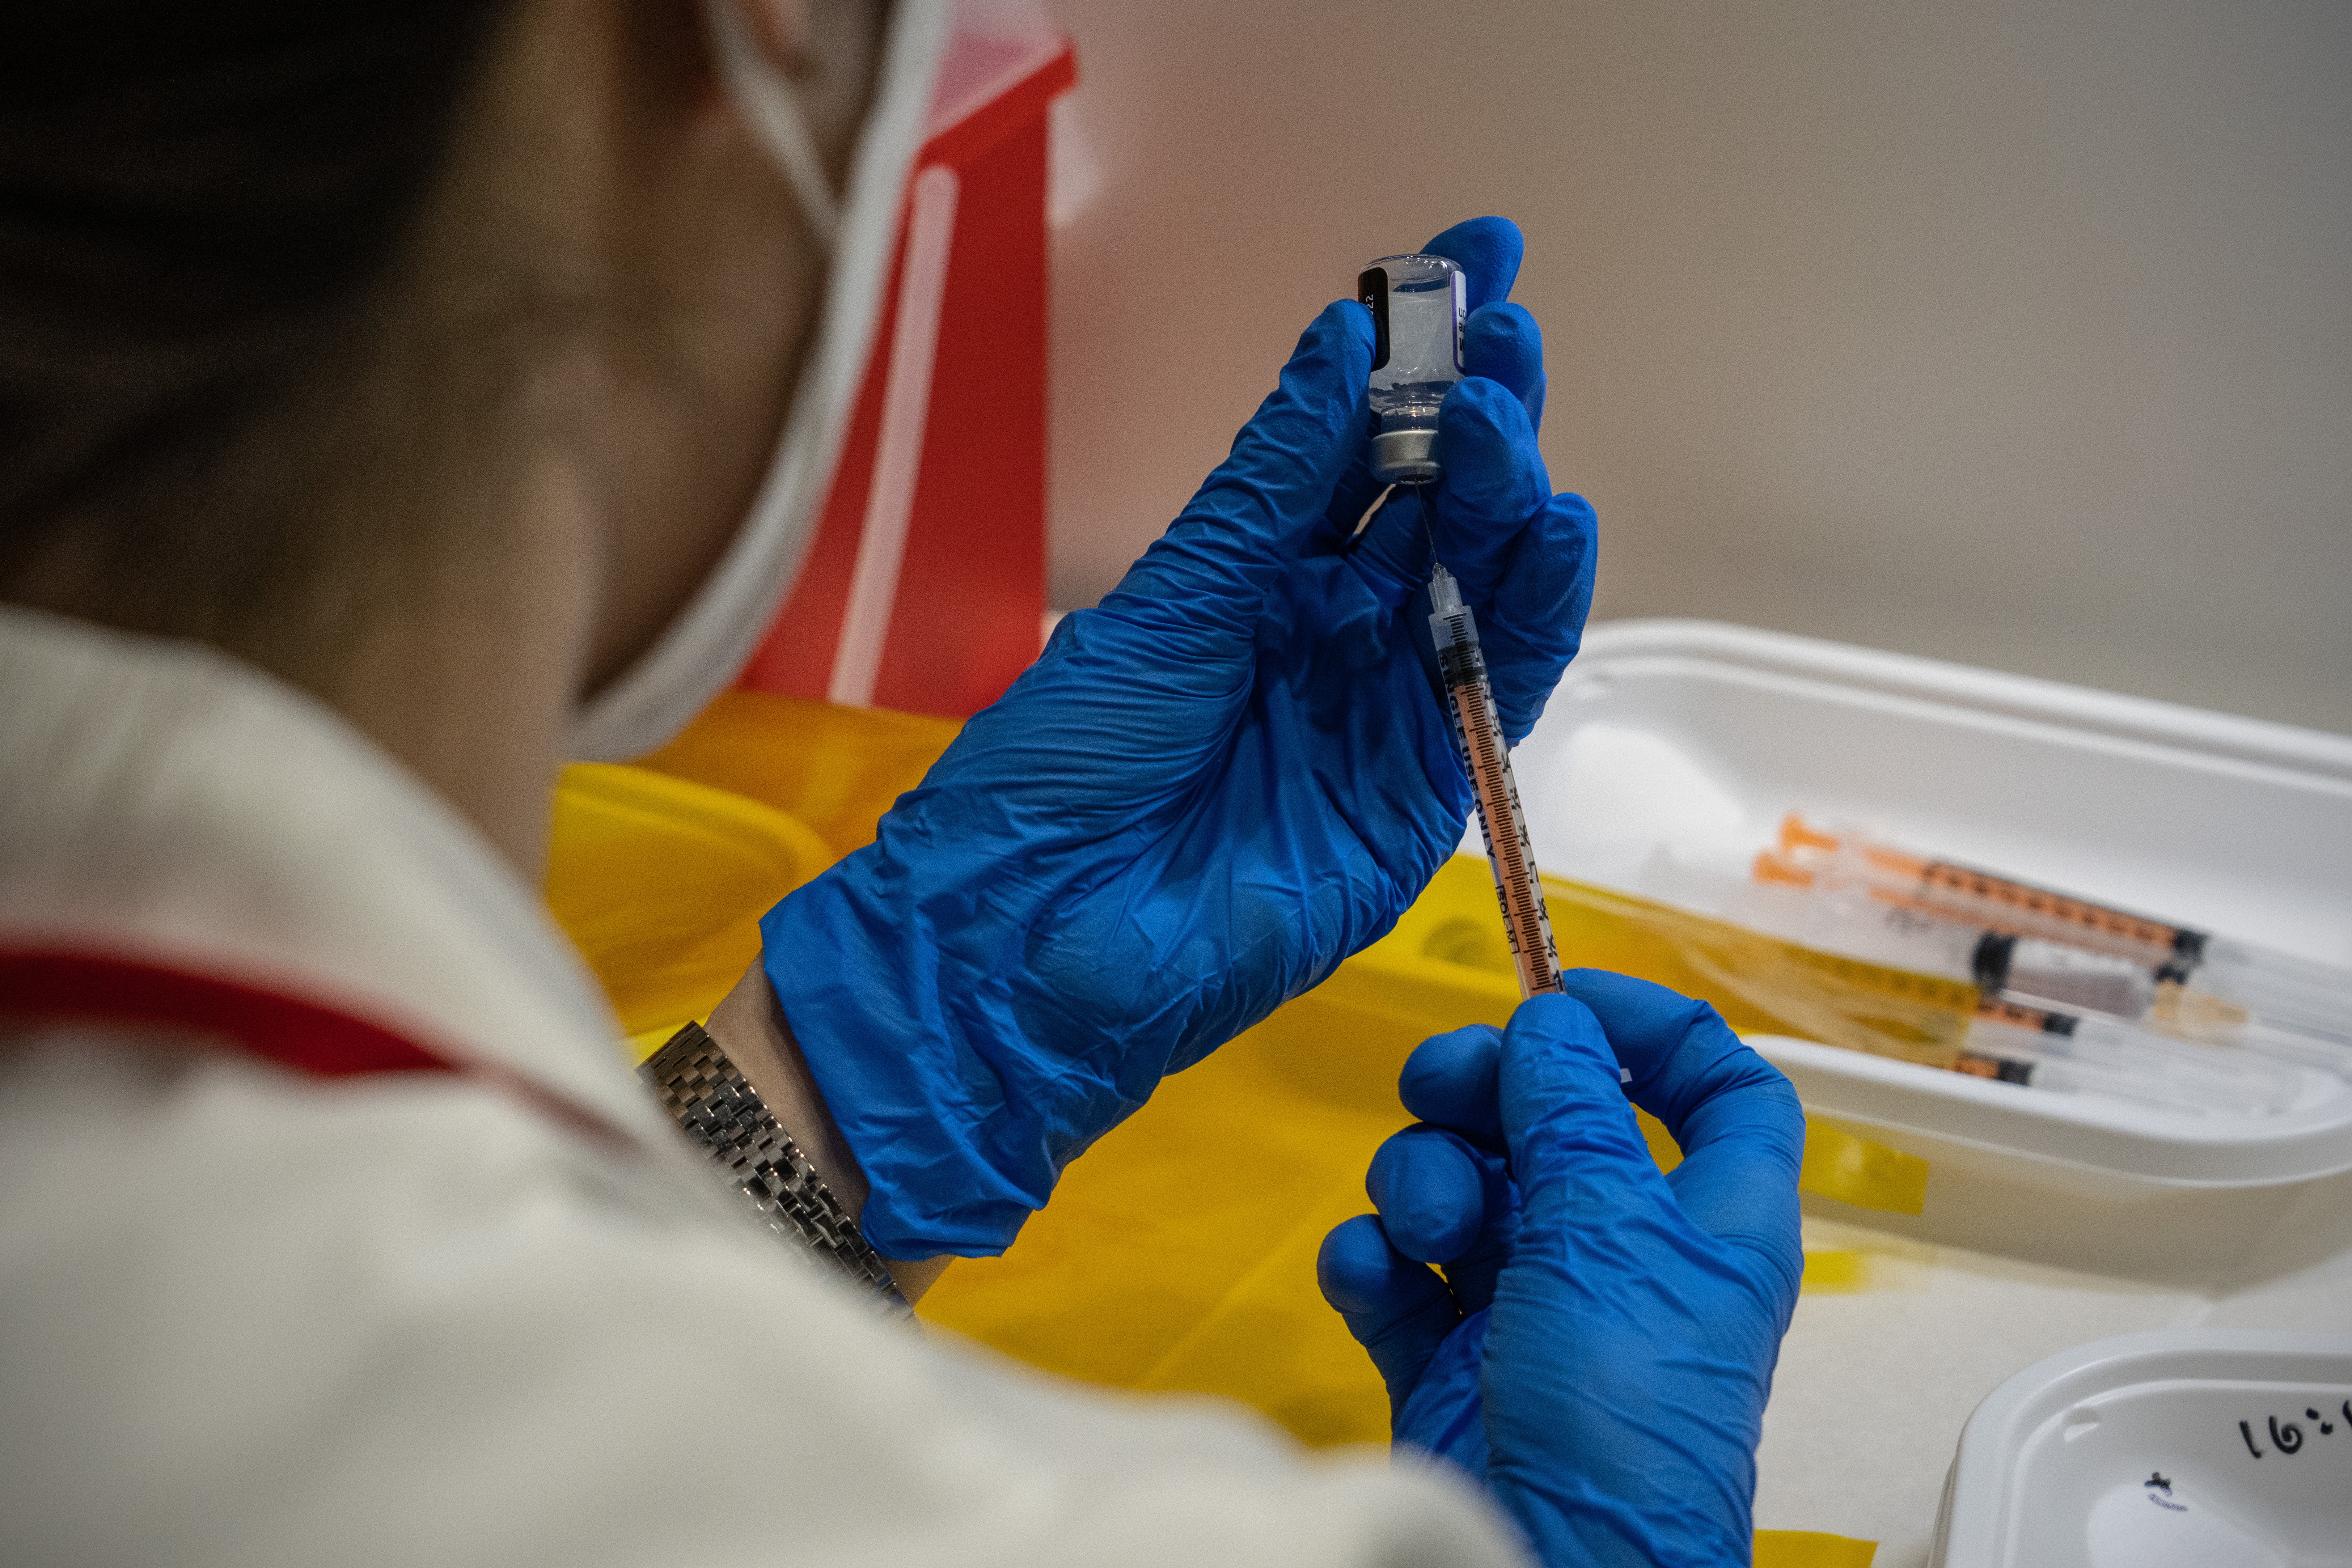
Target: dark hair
(197,202)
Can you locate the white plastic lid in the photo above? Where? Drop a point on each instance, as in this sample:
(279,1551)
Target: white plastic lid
(2189,1448)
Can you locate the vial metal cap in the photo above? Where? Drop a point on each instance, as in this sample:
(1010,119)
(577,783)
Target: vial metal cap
(1404,456)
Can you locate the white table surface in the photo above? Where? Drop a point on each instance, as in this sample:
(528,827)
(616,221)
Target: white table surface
(1874,1386)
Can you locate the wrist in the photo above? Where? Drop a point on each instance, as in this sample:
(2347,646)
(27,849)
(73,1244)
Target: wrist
(749,1026)
(936,1090)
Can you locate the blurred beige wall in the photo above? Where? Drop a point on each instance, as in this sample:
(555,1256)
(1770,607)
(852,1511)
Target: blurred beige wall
(2013,333)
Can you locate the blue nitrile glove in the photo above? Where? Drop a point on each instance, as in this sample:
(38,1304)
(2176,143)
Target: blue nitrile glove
(1599,1349)
(1209,791)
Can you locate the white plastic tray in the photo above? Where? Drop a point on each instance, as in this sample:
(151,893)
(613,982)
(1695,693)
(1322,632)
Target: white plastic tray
(2190,1448)
(1681,731)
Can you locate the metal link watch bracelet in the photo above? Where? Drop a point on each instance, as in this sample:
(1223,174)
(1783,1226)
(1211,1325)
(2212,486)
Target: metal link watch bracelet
(711,1099)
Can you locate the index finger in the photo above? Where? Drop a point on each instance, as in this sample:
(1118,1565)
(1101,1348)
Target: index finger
(1487,250)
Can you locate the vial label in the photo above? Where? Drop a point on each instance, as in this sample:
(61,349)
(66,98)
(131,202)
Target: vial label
(1372,289)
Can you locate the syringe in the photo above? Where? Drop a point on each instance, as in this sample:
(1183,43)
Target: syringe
(1851,915)
(2032,1040)
(1470,705)
(2280,990)
(2048,1048)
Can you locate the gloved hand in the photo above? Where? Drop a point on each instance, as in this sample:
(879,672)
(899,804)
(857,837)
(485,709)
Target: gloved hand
(1209,791)
(1600,1346)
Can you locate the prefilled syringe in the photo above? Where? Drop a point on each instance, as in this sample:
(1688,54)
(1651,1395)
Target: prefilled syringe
(2049,1049)
(2032,1039)
(1470,705)
(1849,915)
(2283,991)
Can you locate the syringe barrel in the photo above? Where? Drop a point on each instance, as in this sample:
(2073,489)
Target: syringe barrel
(2072,978)
(1956,892)
(1478,731)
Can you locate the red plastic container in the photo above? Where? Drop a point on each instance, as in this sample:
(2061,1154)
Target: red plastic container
(925,587)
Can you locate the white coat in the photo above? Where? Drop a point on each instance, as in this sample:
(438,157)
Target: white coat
(250,1316)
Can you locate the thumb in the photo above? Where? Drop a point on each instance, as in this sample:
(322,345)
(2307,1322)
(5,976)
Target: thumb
(1576,1151)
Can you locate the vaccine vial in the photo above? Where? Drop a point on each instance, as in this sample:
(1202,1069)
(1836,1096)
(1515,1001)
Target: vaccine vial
(1417,304)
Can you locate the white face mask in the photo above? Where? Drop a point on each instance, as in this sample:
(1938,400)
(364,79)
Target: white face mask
(700,652)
